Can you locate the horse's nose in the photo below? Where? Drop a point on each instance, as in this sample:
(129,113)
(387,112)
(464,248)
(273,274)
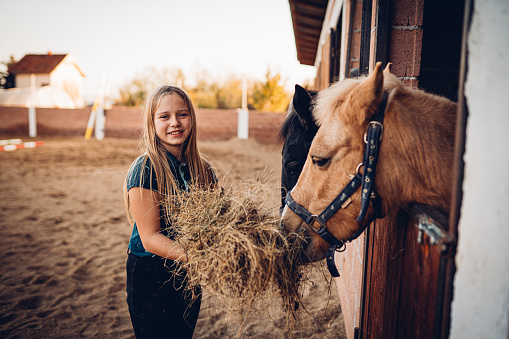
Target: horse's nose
(281,226)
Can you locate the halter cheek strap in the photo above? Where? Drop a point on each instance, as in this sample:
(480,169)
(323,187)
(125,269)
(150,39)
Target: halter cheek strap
(372,139)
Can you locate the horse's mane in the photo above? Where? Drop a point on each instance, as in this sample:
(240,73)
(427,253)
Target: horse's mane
(284,129)
(329,99)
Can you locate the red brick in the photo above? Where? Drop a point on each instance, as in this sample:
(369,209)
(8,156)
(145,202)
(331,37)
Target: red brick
(406,12)
(414,83)
(405,52)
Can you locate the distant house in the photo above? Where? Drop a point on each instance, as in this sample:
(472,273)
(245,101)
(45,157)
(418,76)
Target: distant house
(58,82)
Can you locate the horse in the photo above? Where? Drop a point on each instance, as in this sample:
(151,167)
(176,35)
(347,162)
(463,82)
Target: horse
(296,133)
(380,146)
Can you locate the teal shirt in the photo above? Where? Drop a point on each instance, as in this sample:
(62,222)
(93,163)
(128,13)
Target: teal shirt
(180,172)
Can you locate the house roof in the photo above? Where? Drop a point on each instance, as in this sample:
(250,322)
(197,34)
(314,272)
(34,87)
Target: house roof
(38,63)
(307,18)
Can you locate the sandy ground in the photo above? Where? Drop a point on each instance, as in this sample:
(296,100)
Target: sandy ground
(63,239)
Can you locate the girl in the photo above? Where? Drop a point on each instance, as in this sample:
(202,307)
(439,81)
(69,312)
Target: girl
(158,305)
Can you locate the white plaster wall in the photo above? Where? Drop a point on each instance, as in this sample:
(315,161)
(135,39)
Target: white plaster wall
(25,80)
(330,20)
(480,307)
(68,77)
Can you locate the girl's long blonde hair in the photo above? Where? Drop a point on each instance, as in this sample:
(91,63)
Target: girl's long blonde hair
(154,151)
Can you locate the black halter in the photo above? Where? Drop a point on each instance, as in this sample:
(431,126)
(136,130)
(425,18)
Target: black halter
(372,138)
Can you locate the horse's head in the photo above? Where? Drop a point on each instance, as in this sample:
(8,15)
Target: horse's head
(414,158)
(343,112)
(297,131)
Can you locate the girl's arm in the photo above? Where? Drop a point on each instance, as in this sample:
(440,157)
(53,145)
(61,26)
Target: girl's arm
(145,208)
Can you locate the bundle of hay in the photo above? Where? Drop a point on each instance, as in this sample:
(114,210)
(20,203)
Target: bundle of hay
(234,248)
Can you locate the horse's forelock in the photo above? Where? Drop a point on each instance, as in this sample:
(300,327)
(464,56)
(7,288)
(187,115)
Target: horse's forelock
(329,99)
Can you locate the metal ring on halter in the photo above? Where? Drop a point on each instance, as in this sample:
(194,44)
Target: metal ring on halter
(359,167)
(342,248)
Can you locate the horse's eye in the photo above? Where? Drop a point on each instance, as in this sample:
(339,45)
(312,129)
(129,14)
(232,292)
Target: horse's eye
(294,168)
(320,162)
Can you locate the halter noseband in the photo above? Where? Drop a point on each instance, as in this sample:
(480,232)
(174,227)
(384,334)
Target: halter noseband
(372,138)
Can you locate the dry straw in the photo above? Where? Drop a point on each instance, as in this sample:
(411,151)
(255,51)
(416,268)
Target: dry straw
(235,250)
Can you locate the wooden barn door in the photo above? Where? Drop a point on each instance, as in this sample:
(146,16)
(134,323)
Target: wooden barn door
(409,262)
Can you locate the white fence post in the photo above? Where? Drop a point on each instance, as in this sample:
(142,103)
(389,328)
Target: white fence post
(243,115)
(97,114)
(32,121)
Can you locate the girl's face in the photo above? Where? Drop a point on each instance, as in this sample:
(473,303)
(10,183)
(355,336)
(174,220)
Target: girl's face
(172,121)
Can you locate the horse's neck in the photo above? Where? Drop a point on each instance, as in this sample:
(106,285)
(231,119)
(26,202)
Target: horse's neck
(419,132)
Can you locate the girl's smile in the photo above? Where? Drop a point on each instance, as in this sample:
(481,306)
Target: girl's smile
(172,122)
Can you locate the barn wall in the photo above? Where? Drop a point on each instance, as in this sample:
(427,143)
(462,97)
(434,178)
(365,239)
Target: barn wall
(349,285)
(123,122)
(480,307)
(351,262)
(405,40)
(352,37)
(404,48)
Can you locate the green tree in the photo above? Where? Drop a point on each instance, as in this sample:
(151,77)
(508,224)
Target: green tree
(211,94)
(207,93)
(7,79)
(202,94)
(229,95)
(270,95)
(136,91)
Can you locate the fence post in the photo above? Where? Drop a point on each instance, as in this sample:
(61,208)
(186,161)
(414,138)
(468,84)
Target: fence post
(32,121)
(243,115)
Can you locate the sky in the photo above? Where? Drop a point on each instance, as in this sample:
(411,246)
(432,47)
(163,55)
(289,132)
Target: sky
(119,39)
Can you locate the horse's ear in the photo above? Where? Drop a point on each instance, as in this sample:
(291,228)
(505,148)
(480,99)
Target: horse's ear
(366,97)
(388,68)
(302,104)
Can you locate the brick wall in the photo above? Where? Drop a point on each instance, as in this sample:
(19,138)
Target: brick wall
(124,122)
(404,51)
(405,39)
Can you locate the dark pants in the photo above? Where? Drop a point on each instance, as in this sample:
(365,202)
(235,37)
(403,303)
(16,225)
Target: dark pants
(159,305)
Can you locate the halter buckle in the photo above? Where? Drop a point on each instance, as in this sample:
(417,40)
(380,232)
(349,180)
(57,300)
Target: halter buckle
(312,220)
(376,123)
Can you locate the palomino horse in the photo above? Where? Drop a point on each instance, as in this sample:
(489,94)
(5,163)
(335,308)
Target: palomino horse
(411,161)
(297,132)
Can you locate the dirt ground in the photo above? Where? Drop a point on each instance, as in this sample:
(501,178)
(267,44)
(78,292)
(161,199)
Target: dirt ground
(64,234)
